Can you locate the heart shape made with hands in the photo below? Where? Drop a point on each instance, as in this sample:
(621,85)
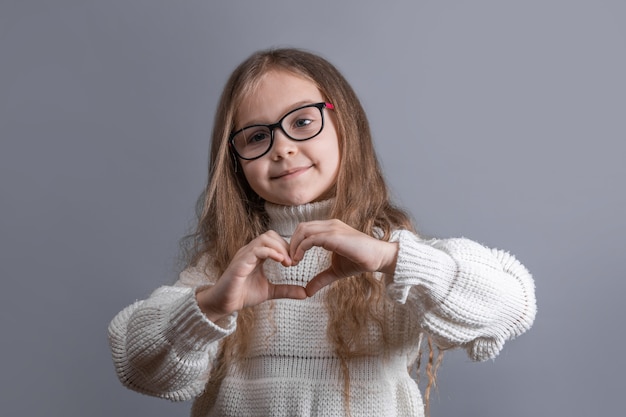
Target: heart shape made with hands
(351,253)
(245,281)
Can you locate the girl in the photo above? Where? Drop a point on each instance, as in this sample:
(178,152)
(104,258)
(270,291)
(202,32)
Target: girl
(307,292)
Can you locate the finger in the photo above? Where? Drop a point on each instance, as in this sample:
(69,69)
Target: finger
(298,248)
(287,291)
(265,252)
(250,259)
(303,231)
(329,239)
(278,243)
(321,280)
(266,246)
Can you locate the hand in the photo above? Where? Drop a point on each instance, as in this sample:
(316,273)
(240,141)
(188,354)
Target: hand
(354,252)
(243,283)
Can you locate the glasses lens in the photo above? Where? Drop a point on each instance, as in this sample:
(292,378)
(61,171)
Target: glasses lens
(252,141)
(304,123)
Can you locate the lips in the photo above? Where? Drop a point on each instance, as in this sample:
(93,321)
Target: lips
(290,172)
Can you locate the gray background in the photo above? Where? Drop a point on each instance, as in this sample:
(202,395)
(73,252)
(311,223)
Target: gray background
(503,121)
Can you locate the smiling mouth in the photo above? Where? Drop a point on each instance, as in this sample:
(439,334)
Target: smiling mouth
(290,172)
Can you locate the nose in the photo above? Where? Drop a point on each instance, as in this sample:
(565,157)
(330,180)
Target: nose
(283,146)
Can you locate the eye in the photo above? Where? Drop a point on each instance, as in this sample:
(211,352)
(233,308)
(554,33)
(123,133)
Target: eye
(303,119)
(299,123)
(256,136)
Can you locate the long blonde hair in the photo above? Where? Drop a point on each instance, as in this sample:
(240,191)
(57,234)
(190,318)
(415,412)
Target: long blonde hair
(231,214)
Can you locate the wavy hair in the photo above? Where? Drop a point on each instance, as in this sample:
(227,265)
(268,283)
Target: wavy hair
(231,214)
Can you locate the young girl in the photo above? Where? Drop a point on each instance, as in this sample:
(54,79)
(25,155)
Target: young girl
(307,292)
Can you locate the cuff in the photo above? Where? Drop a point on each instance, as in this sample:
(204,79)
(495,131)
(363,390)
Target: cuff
(420,264)
(189,329)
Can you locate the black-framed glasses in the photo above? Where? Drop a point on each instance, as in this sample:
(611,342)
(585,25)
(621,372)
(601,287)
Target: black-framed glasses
(299,124)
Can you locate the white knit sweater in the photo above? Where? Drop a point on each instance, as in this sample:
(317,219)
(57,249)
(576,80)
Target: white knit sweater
(456,290)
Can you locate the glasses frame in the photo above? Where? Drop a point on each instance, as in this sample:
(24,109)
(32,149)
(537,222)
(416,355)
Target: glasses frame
(279,124)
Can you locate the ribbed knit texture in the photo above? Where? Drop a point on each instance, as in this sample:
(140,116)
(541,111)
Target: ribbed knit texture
(460,292)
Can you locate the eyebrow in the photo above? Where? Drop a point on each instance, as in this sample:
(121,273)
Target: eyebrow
(290,108)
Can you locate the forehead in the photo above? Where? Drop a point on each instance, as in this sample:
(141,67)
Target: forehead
(276,92)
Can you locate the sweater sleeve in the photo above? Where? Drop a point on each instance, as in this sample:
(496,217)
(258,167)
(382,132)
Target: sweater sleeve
(466,295)
(165,346)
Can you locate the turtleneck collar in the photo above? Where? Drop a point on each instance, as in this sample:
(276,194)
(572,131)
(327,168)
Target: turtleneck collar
(285,219)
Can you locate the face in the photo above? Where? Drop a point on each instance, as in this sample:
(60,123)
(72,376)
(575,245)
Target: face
(292,172)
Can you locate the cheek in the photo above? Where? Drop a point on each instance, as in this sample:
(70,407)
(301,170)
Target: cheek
(249,168)
(251,172)
(332,154)
(333,147)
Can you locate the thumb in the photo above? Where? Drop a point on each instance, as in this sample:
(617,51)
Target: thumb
(321,280)
(287,291)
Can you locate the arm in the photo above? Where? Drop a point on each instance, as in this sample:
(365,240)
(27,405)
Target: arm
(165,346)
(467,295)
